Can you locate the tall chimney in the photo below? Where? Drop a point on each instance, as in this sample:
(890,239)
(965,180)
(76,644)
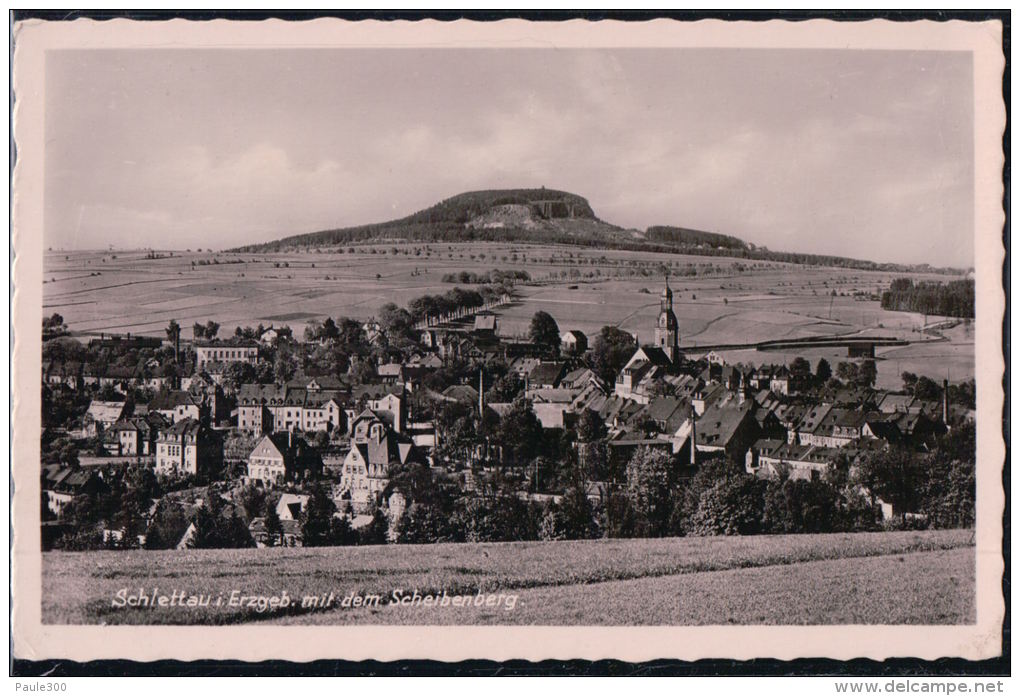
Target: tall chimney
(945,401)
(481,394)
(694,438)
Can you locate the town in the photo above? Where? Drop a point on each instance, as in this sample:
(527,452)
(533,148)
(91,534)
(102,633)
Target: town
(424,424)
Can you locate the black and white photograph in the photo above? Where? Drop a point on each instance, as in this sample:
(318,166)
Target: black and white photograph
(517,326)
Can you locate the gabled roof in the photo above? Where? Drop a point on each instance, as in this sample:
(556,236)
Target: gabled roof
(168,401)
(813,417)
(547,373)
(184,427)
(462,393)
(485,322)
(106,411)
(719,423)
(390,370)
(268,446)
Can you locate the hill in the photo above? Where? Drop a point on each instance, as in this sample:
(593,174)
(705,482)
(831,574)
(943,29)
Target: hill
(548,216)
(527,215)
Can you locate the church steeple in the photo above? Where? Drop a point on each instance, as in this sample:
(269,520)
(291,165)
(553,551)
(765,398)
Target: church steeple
(667,328)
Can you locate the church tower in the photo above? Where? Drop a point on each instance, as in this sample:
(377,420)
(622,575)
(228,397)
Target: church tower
(667,329)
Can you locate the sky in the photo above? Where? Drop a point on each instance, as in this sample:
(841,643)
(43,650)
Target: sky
(858,153)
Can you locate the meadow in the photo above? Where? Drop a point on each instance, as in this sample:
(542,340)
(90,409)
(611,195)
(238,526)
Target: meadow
(892,577)
(717,299)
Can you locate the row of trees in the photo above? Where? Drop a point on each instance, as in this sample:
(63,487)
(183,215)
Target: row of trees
(494,276)
(952,299)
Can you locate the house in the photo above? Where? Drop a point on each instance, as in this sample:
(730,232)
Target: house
(375,447)
(390,373)
(728,426)
(178,405)
(647,364)
(277,458)
(188,447)
(136,436)
(772,458)
(63,484)
(485,323)
(814,416)
(573,342)
(101,415)
(547,375)
(269,336)
(290,506)
(311,406)
(225,352)
(66,373)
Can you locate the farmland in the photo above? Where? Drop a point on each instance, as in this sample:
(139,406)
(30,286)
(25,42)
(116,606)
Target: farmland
(895,577)
(718,299)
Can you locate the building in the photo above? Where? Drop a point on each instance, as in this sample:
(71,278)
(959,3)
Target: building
(485,323)
(290,506)
(102,415)
(225,353)
(61,485)
(667,328)
(547,375)
(136,436)
(309,406)
(178,405)
(188,447)
(375,447)
(573,342)
(278,458)
(647,365)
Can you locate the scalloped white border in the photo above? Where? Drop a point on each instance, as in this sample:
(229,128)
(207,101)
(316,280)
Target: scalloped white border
(33,640)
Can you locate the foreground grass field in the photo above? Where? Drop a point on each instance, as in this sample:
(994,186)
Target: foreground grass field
(903,577)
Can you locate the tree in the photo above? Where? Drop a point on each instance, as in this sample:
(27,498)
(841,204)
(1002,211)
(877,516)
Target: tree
(173,333)
(376,531)
(733,505)
(610,352)
(238,373)
(423,524)
(896,475)
(823,371)
(198,330)
(166,527)
(651,488)
(927,389)
(505,389)
(544,331)
(396,321)
(800,367)
(519,433)
(274,527)
(847,372)
(948,492)
(211,329)
(799,506)
(316,518)
(867,374)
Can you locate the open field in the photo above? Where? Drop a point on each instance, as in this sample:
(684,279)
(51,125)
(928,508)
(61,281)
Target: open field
(896,577)
(728,300)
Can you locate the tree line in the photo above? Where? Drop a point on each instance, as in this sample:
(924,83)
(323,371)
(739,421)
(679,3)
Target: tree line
(952,299)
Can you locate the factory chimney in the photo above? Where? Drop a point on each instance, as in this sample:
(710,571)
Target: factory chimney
(945,402)
(694,438)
